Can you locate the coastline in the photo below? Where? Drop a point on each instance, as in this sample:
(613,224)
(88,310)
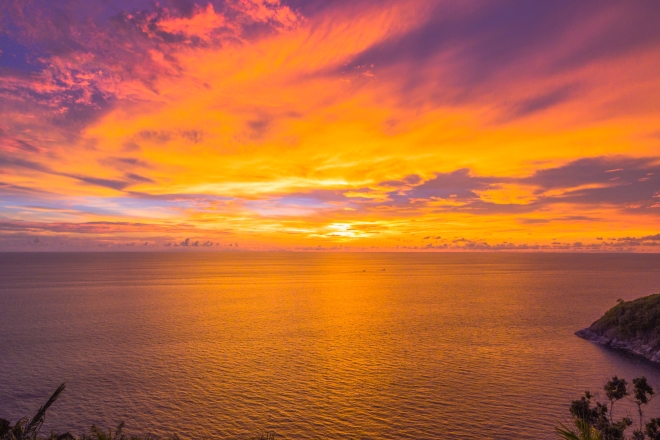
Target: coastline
(635,346)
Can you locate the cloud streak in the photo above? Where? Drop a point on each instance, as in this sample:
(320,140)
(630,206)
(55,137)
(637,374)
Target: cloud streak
(294,124)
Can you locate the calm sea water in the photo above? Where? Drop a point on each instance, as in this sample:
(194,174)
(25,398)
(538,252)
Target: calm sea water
(350,346)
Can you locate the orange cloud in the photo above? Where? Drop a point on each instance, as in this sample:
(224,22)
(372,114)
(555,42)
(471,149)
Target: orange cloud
(362,125)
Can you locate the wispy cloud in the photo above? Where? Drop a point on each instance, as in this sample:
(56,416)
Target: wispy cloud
(291,124)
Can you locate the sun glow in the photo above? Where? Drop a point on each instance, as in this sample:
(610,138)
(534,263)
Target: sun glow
(367,126)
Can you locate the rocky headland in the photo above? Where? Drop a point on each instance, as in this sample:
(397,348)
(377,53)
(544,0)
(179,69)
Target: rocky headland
(633,326)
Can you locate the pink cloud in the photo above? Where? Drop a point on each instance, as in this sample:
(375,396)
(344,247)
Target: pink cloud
(201,25)
(266,11)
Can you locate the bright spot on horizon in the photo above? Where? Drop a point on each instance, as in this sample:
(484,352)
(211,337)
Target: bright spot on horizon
(295,125)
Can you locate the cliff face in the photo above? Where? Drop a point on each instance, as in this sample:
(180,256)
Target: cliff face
(636,346)
(633,326)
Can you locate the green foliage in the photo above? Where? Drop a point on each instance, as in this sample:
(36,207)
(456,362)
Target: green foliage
(582,431)
(616,389)
(596,421)
(653,429)
(25,428)
(638,319)
(642,391)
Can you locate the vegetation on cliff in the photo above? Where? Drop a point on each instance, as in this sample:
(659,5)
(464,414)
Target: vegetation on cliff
(631,320)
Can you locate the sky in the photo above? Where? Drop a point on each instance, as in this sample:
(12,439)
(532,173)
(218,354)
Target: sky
(330,125)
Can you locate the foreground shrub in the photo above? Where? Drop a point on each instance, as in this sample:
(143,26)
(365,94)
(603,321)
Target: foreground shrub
(596,421)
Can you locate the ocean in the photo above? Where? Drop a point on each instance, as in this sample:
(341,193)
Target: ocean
(312,345)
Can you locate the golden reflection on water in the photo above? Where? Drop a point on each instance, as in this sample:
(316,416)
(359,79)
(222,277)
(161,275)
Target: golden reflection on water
(313,345)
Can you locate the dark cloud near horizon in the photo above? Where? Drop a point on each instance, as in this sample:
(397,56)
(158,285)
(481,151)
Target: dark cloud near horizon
(87,227)
(583,182)
(9,189)
(619,181)
(623,182)
(619,169)
(459,185)
(61,62)
(570,218)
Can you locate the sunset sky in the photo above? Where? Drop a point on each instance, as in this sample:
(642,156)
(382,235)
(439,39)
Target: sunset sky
(336,124)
